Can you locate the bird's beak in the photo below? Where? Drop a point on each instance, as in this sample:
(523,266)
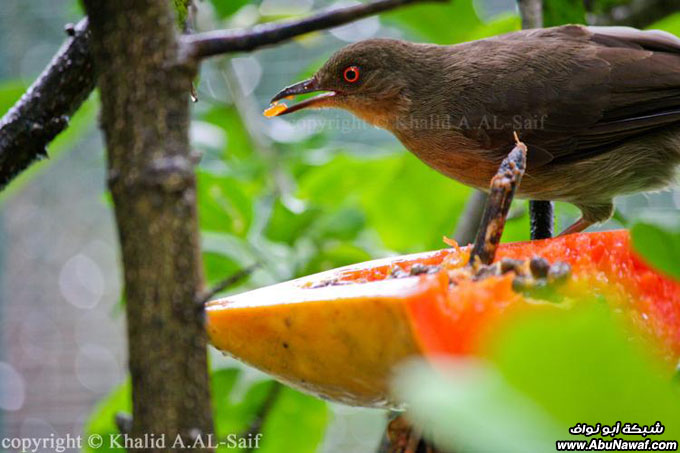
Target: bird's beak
(306,86)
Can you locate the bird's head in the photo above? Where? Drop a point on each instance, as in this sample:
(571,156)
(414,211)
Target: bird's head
(368,78)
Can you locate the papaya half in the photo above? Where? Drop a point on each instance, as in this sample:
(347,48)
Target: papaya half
(338,334)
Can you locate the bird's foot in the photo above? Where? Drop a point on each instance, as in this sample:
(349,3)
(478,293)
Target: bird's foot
(576,227)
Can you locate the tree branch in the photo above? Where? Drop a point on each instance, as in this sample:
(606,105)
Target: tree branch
(44,110)
(218,42)
(226,283)
(531,12)
(145,117)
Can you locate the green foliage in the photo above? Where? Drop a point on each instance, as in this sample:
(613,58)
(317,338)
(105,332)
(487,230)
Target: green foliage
(560,12)
(102,418)
(408,204)
(441,23)
(504,23)
(181,11)
(658,245)
(670,24)
(225,8)
(10,92)
(586,368)
(294,422)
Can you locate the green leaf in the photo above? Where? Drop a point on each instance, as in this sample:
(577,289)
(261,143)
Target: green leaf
(102,419)
(235,402)
(334,254)
(505,23)
(342,225)
(560,12)
(585,365)
(659,246)
(224,204)
(239,144)
(225,8)
(468,406)
(10,92)
(517,226)
(296,423)
(441,23)
(217,267)
(287,226)
(181,11)
(545,372)
(414,206)
(409,205)
(670,24)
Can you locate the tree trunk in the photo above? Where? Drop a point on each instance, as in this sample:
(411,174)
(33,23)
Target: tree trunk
(145,118)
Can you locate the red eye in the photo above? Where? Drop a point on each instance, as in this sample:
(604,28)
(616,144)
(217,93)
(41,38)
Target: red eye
(351,74)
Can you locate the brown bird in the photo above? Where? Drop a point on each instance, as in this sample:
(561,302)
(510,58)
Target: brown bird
(598,107)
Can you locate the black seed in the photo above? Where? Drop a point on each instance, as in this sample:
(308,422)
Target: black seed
(510,264)
(418,269)
(539,267)
(486,271)
(398,272)
(285,345)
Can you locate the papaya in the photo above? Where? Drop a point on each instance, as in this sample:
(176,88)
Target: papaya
(339,334)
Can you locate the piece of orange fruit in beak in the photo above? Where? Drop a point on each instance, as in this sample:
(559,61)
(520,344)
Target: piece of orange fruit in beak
(274,110)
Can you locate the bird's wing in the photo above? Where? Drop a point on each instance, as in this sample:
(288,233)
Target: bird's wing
(582,91)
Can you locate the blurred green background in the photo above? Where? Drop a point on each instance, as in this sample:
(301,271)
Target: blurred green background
(298,195)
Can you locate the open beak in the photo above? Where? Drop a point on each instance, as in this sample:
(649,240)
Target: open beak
(306,86)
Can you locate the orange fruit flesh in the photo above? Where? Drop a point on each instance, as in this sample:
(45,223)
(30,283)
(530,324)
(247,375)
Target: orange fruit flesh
(274,110)
(341,341)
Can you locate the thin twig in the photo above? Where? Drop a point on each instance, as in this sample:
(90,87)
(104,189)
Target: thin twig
(123,422)
(256,425)
(228,282)
(44,110)
(470,218)
(203,45)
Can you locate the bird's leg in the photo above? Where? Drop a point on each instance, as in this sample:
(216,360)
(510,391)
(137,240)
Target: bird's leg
(541,215)
(502,190)
(591,214)
(576,227)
